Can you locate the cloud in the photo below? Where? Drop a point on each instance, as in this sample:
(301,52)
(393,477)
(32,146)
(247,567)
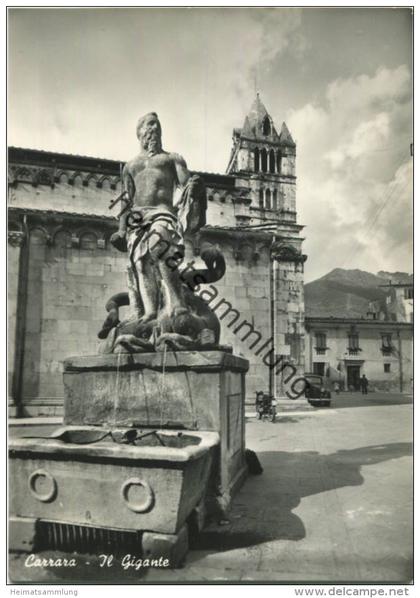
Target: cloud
(354,173)
(89,74)
(363,93)
(367,136)
(80,78)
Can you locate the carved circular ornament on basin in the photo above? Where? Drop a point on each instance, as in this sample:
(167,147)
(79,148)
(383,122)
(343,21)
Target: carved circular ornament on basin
(138,495)
(42,485)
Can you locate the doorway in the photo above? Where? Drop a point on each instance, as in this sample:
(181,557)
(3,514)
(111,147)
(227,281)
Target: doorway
(353,377)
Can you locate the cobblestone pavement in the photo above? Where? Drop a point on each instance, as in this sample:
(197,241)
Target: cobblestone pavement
(334,504)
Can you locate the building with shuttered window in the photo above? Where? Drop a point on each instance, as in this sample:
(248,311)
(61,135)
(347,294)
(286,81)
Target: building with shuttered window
(343,349)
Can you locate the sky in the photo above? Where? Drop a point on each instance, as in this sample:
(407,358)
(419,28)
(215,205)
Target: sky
(78,79)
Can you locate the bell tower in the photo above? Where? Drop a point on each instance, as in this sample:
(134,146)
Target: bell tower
(263,162)
(266,157)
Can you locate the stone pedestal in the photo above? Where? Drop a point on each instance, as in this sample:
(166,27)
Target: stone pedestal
(192,459)
(184,390)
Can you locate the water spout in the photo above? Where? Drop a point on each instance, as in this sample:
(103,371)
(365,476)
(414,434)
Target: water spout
(117,389)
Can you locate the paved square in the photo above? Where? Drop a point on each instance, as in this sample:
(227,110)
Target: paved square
(334,504)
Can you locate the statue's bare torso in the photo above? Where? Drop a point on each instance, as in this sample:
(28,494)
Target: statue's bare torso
(154,179)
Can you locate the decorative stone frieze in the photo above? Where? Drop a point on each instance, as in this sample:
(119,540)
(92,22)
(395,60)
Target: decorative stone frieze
(38,175)
(16,238)
(287,253)
(75,240)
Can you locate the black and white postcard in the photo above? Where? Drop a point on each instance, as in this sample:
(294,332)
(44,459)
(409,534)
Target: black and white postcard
(210,297)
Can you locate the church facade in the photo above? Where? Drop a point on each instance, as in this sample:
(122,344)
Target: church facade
(62,268)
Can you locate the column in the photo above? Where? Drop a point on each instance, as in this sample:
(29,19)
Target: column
(16,241)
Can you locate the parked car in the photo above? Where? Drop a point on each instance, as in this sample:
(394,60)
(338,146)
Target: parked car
(315,391)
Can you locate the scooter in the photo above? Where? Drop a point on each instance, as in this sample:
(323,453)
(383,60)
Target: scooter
(265,406)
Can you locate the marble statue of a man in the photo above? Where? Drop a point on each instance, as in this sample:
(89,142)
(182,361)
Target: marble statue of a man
(163,202)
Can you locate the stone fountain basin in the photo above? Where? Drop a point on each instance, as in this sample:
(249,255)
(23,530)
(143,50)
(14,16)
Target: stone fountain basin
(118,486)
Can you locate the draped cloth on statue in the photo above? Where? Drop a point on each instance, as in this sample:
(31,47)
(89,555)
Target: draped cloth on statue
(192,205)
(191,216)
(141,237)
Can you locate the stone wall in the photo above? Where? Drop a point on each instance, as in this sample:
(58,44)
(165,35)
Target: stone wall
(67,291)
(75,198)
(72,269)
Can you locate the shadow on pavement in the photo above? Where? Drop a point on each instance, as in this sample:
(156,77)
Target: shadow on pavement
(370,400)
(280,419)
(262,512)
(287,419)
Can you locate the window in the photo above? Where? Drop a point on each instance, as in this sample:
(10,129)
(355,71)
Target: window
(256,160)
(354,343)
(386,347)
(387,368)
(275,199)
(321,340)
(320,343)
(272,161)
(319,368)
(266,126)
(409,293)
(267,199)
(261,199)
(278,155)
(263,158)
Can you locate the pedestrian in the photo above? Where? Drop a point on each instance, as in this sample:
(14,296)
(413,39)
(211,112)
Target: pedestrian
(336,388)
(364,383)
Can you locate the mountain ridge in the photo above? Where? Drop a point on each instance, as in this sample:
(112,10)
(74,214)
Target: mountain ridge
(347,293)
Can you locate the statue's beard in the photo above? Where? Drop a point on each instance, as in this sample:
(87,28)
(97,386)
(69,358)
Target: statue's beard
(151,142)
